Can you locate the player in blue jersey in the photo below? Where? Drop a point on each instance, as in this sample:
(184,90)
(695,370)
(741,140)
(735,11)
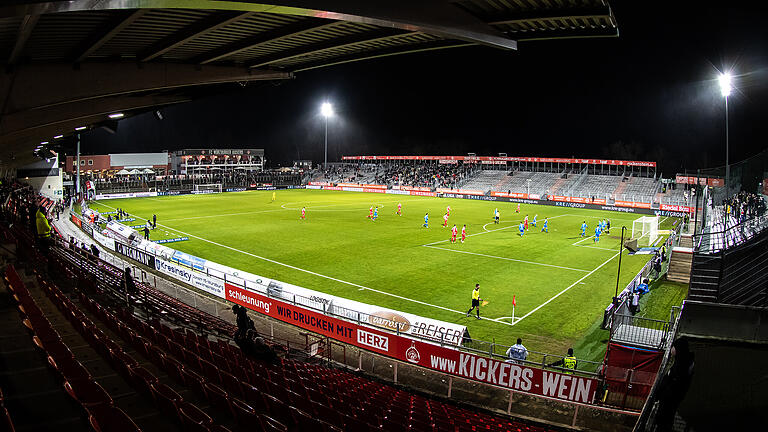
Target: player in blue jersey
(597,234)
(375,213)
(544,228)
(534,220)
(583,228)
(522,229)
(426,220)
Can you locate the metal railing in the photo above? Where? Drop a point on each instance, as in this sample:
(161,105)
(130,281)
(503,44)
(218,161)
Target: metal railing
(727,233)
(639,331)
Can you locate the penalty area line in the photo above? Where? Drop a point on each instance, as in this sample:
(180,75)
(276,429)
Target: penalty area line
(566,289)
(311,272)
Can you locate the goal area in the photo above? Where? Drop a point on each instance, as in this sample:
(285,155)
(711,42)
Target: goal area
(208,188)
(645,230)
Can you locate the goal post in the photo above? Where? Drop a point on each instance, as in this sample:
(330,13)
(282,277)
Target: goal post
(645,230)
(208,188)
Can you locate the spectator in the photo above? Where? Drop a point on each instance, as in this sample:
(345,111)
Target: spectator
(517,353)
(568,362)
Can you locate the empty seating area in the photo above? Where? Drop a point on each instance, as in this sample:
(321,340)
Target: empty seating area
(484,180)
(183,369)
(540,183)
(639,189)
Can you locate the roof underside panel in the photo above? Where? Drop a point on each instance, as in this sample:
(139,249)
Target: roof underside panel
(154,25)
(240,30)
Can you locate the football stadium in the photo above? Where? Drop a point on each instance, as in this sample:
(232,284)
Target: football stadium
(194,240)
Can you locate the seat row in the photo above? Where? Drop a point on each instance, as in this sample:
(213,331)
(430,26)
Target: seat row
(77,381)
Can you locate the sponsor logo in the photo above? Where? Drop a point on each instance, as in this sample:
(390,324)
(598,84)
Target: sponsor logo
(372,340)
(570,204)
(389,320)
(135,254)
(412,354)
(88,229)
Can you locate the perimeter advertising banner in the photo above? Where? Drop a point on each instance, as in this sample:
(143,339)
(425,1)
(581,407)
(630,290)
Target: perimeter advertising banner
(439,358)
(191,277)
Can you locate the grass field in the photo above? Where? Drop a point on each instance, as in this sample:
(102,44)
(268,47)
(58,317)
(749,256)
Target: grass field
(562,282)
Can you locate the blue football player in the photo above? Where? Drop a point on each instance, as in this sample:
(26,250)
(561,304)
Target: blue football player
(522,229)
(534,220)
(597,234)
(544,228)
(375,213)
(426,220)
(583,228)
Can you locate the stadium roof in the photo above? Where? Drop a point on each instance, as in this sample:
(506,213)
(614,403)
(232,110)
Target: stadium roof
(70,64)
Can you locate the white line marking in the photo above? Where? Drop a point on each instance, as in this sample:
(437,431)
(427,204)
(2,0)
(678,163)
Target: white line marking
(569,287)
(507,259)
(585,238)
(311,272)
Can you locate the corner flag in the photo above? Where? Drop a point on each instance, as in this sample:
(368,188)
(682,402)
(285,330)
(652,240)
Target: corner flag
(514,302)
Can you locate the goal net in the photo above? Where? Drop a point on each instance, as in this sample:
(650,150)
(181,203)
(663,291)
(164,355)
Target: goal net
(645,230)
(208,188)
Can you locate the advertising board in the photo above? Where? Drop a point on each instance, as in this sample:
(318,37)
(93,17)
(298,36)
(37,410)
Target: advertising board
(443,359)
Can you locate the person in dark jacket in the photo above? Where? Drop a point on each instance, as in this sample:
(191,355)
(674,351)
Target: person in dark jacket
(674,385)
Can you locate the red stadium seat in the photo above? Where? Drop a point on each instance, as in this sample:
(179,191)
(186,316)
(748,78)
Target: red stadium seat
(244,413)
(192,419)
(87,393)
(218,397)
(110,419)
(165,398)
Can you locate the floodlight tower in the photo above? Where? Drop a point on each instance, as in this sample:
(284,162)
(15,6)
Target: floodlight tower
(725,89)
(326,109)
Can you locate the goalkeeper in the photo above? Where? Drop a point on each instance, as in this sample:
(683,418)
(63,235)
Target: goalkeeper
(475,301)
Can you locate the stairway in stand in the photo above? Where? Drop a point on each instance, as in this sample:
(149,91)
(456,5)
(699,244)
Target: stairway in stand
(680,261)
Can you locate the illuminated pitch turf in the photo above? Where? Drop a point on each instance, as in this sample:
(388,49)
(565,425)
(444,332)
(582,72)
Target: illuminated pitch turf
(562,282)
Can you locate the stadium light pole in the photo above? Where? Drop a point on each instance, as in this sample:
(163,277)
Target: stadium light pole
(326,109)
(618,275)
(725,80)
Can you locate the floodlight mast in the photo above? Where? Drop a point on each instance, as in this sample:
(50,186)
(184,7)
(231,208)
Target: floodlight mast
(326,109)
(725,89)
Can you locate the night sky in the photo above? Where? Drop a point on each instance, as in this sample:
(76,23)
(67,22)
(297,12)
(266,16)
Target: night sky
(650,94)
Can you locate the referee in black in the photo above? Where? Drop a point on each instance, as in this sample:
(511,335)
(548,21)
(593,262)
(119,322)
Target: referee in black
(475,300)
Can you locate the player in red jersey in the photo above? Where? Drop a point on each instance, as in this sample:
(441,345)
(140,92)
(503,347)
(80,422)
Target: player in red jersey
(448,210)
(453,234)
(370,213)
(303,213)
(525,223)
(518,208)
(445,220)
(463,233)
(399,209)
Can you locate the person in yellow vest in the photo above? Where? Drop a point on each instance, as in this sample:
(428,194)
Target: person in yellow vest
(475,301)
(43,229)
(273,196)
(568,363)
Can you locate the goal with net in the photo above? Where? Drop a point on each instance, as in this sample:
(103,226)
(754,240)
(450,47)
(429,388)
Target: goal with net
(207,188)
(645,230)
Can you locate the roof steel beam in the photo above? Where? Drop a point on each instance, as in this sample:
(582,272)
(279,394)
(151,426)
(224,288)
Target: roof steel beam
(111,30)
(566,34)
(555,13)
(192,32)
(40,85)
(386,52)
(25,31)
(293,30)
(343,42)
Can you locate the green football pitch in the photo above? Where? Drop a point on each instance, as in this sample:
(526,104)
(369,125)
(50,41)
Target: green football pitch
(562,282)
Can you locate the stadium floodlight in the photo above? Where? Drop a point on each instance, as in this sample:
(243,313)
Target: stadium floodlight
(80,128)
(116,116)
(43,142)
(725,84)
(725,80)
(326,110)
(58,136)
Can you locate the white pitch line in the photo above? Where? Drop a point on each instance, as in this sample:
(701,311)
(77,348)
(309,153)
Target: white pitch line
(311,272)
(569,287)
(506,259)
(585,238)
